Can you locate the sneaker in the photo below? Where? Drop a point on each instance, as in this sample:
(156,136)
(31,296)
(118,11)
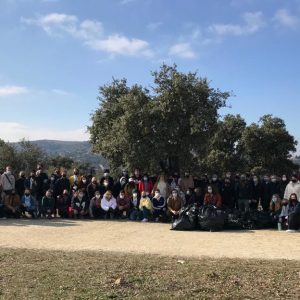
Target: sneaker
(145,220)
(291,231)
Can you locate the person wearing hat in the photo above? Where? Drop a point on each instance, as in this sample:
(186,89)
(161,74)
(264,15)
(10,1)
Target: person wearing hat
(109,205)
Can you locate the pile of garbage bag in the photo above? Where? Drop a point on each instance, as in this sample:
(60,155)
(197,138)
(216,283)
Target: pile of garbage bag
(210,218)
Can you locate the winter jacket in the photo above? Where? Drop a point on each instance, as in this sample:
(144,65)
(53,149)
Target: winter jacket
(107,204)
(213,199)
(28,202)
(158,204)
(174,203)
(292,188)
(145,202)
(124,203)
(47,203)
(142,186)
(80,204)
(7,181)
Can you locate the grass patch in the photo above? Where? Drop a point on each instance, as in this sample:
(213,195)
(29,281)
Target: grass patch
(34,274)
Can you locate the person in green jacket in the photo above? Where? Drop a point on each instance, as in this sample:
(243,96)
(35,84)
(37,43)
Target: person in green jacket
(47,208)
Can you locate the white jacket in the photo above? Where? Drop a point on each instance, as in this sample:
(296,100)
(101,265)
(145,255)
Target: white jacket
(106,205)
(292,188)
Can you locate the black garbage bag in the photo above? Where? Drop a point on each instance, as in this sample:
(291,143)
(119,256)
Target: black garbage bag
(234,220)
(187,219)
(261,220)
(211,219)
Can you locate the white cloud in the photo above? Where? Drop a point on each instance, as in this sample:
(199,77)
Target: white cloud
(91,33)
(12,90)
(116,44)
(284,18)
(182,50)
(253,22)
(13,132)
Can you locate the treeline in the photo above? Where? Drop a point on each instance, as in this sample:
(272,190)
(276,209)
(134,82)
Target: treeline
(26,156)
(176,126)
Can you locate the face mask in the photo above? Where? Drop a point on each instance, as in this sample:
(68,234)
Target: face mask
(145,178)
(121,196)
(284,179)
(134,195)
(209,190)
(188,192)
(214,179)
(174,195)
(274,180)
(84,181)
(98,196)
(274,200)
(8,172)
(106,174)
(255,179)
(52,178)
(157,195)
(105,183)
(80,195)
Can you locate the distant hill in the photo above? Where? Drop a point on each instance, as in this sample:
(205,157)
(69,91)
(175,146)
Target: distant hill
(78,151)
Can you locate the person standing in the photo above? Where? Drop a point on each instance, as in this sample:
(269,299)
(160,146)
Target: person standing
(7,182)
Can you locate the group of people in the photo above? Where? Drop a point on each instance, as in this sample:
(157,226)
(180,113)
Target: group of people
(142,197)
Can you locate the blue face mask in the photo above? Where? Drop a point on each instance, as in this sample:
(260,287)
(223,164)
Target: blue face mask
(274,200)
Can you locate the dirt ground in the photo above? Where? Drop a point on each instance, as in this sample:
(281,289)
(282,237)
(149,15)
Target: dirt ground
(152,238)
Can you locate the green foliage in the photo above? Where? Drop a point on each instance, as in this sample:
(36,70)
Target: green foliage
(8,155)
(225,151)
(268,146)
(167,128)
(61,161)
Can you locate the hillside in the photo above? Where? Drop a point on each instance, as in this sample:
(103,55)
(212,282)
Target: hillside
(78,151)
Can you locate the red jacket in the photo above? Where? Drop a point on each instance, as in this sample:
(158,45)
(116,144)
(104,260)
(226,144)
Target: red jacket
(211,199)
(141,186)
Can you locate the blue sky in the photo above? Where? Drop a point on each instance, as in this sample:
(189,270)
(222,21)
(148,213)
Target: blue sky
(55,53)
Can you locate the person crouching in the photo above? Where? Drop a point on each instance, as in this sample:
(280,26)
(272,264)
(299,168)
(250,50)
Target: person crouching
(95,206)
(146,207)
(109,205)
(47,207)
(79,205)
(28,204)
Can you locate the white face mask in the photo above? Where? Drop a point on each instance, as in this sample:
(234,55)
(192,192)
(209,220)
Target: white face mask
(98,196)
(209,190)
(121,196)
(105,183)
(80,195)
(134,195)
(84,181)
(106,174)
(157,195)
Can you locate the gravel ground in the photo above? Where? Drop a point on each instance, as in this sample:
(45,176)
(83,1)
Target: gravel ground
(152,238)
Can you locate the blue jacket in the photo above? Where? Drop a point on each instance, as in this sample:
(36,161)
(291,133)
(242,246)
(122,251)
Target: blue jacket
(31,201)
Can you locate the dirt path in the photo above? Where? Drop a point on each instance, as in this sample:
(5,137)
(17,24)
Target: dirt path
(117,236)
